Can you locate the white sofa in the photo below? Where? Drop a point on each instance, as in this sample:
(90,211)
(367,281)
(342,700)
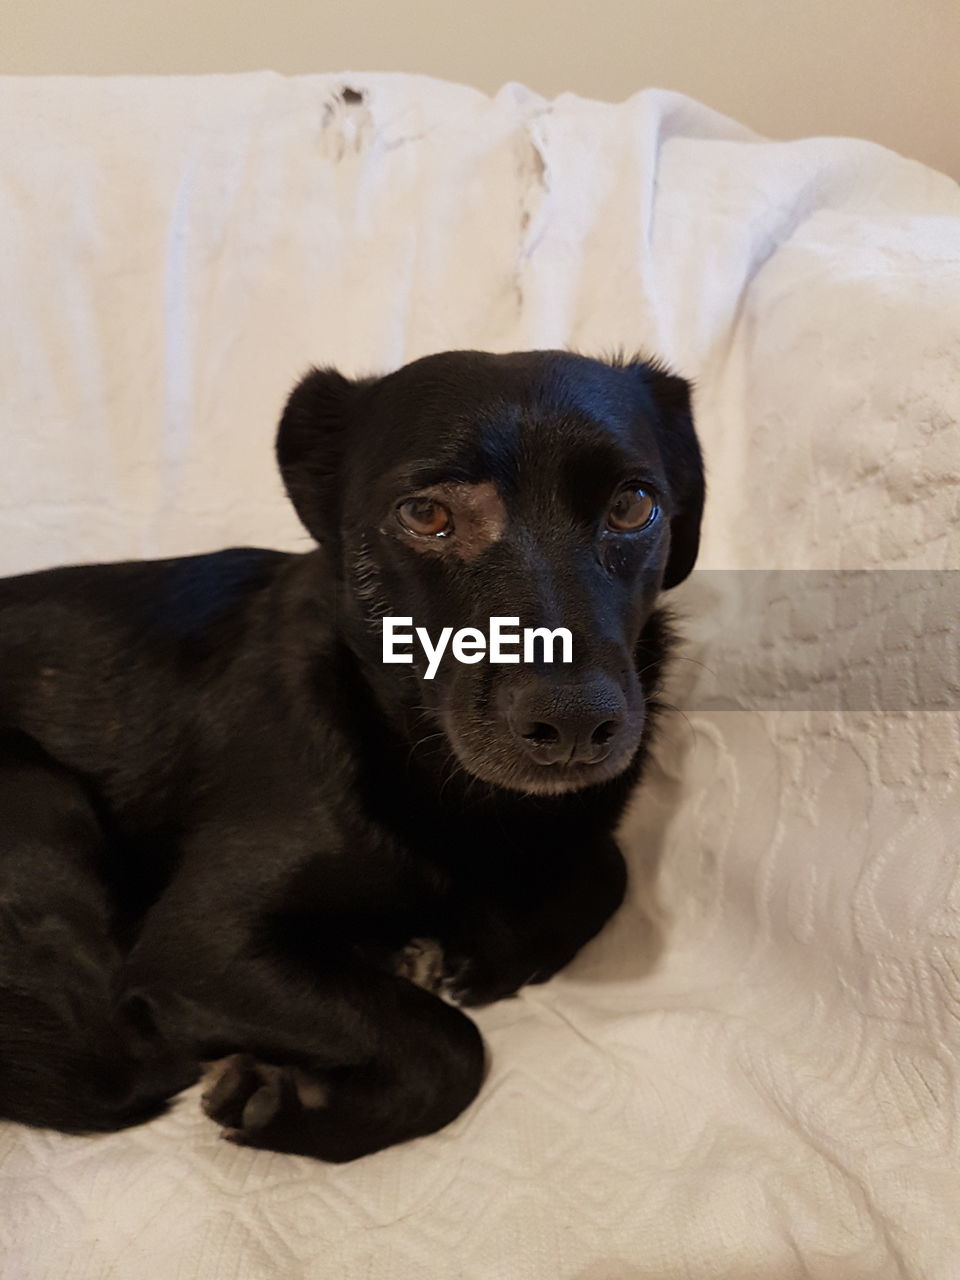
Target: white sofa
(754,1073)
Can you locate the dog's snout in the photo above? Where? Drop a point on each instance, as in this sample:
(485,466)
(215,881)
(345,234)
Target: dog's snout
(572,725)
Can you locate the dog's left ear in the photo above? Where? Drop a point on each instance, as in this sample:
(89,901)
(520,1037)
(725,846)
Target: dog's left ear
(680,451)
(310,445)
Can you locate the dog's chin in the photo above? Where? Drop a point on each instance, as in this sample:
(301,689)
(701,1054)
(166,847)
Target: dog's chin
(505,768)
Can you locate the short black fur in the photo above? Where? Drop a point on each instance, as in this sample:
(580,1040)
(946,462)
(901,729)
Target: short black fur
(229,833)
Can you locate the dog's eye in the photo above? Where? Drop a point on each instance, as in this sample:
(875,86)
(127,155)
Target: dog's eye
(425,517)
(632,509)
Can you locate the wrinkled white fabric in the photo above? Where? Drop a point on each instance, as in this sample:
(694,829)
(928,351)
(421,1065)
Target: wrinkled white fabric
(766,1083)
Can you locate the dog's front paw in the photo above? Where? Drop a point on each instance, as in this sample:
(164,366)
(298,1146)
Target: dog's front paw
(474,981)
(478,973)
(421,962)
(246,1097)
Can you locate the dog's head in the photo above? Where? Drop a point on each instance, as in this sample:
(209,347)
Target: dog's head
(544,486)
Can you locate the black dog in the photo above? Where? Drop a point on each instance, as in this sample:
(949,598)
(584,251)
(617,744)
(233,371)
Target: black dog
(225,823)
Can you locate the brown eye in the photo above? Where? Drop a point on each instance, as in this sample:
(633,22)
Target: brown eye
(425,517)
(632,509)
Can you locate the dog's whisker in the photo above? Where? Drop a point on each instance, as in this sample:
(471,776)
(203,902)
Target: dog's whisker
(669,706)
(682,657)
(430,737)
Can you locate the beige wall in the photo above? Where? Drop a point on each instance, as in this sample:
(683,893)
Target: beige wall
(882,69)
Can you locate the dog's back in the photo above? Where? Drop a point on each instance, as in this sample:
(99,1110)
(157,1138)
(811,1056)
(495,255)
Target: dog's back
(102,664)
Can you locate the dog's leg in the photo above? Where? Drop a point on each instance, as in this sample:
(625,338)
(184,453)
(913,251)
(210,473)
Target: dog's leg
(515,929)
(333,1059)
(74,1055)
(397,1063)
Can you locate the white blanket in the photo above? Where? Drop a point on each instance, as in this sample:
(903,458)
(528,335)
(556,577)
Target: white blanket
(766,1084)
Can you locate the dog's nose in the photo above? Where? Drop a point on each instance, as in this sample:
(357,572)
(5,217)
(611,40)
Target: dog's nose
(574,724)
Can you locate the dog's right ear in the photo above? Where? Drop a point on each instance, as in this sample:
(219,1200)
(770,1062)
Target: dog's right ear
(310,443)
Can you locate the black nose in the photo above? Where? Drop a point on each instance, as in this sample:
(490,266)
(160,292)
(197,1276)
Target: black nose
(567,724)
